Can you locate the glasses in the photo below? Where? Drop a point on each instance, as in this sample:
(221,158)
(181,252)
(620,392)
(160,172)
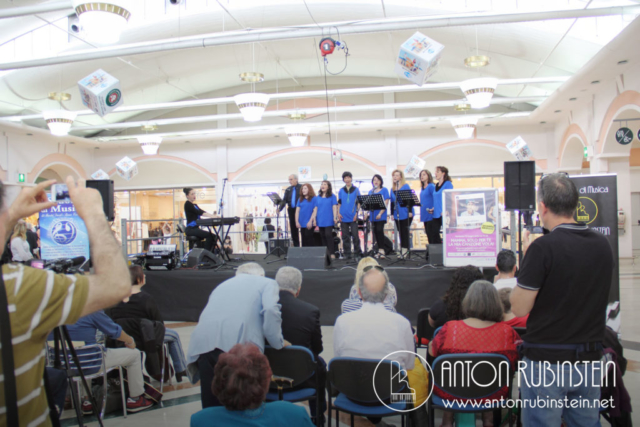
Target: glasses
(369,267)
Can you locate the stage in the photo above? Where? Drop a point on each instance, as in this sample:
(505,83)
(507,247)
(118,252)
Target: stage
(182,294)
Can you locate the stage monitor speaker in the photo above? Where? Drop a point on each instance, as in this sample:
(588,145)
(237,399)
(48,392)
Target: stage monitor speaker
(435,254)
(105,187)
(283,244)
(519,186)
(203,259)
(308,258)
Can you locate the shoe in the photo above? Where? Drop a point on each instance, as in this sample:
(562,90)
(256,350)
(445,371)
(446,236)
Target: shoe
(138,405)
(179,376)
(87,408)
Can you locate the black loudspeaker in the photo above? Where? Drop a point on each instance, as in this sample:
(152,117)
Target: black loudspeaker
(308,258)
(519,186)
(283,244)
(203,259)
(105,187)
(435,254)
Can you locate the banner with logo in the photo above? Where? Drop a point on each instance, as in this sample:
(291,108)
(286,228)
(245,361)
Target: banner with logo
(63,233)
(598,208)
(471,226)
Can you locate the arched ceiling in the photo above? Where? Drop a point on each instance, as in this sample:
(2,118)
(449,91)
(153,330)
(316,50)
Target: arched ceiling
(471,160)
(158,173)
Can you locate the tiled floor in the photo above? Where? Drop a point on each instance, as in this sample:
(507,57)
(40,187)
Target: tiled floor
(181,403)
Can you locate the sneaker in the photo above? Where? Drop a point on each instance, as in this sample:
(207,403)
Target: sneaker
(87,408)
(138,405)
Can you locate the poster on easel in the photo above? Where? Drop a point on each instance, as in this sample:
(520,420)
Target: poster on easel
(471,227)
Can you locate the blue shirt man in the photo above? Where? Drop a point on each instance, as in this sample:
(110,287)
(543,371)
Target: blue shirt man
(348,215)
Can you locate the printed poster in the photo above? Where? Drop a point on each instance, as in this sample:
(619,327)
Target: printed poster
(63,233)
(304,172)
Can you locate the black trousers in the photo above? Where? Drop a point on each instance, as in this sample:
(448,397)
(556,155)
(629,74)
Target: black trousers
(434,230)
(326,234)
(308,239)
(209,238)
(295,236)
(403,226)
(349,231)
(378,233)
(206,364)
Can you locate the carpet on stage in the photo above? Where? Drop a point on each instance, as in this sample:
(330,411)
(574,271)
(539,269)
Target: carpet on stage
(181,295)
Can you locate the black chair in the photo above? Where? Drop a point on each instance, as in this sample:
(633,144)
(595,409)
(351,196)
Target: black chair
(294,365)
(194,241)
(424,329)
(352,379)
(489,377)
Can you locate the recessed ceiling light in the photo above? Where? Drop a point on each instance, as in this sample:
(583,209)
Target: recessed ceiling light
(378,130)
(558,111)
(228,139)
(572,99)
(71,142)
(187,142)
(543,122)
(29,134)
(595,82)
(624,61)
(276,136)
(96,148)
(488,124)
(433,127)
(326,133)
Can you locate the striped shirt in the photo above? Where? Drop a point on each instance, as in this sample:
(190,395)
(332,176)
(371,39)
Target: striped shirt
(349,305)
(39,300)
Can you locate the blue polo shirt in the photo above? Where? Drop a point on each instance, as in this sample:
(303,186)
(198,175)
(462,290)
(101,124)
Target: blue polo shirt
(400,213)
(347,202)
(437,198)
(306,210)
(426,202)
(324,217)
(384,192)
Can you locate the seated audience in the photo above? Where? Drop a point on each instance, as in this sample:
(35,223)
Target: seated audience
(481,331)
(450,306)
(241,383)
(508,317)
(20,249)
(85,330)
(354,302)
(243,309)
(141,305)
(301,325)
(507,266)
(228,246)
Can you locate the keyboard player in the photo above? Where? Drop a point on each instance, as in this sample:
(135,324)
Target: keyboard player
(193,212)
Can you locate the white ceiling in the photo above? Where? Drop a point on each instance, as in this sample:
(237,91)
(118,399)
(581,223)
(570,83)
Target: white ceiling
(519,50)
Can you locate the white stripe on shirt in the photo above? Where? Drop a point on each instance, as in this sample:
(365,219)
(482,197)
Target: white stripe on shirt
(67,302)
(35,321)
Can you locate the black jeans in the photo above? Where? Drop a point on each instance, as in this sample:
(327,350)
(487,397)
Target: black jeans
(350,231)
(433,235)
(209,238)
(326,233)
(434,227)
(206,365)
(378,233)
(308,239)
(403,226)
(295,236)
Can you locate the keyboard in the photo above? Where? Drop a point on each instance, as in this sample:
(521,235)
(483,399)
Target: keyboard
(214,222)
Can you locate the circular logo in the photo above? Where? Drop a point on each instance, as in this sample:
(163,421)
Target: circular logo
(488,228)
(63,232)
(587,211)
(113,97)
(624,136)
(399,380)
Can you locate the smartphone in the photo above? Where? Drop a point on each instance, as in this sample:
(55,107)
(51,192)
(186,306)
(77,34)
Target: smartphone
(60,193)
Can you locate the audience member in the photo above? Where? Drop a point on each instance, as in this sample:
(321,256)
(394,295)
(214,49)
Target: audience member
(564,283)
(301,325)
(507,266)
(481,331)
(508,317)
(141,305)
(33,240)
(450,306)
(42,300)
(20,248)
(354,302)
(241,383)
(85,330)
(243,309)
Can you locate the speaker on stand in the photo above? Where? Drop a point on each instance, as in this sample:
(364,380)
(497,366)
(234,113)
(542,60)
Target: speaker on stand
(520,191)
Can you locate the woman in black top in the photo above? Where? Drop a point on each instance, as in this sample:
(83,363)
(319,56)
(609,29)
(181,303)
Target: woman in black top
(449,307)
(193,213)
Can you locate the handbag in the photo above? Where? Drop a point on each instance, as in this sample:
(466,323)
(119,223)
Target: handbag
(264,237)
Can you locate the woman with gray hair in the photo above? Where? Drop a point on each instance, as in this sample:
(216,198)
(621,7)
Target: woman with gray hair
(481,331)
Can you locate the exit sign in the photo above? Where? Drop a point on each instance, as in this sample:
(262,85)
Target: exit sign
(21,177)
(586,152)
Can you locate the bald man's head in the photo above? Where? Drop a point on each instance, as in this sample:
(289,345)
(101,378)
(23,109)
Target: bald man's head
(374,286)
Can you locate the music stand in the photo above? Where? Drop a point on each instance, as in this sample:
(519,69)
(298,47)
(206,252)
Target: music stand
(372,202)
(277,200)
(408,199)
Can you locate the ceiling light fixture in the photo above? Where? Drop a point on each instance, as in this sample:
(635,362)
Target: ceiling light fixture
(102,21)
(297,134)
(477,61)
(59,121)
(150,144)
(252,105)
(479,91)
(464,126)
(252,77)
(463,106)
